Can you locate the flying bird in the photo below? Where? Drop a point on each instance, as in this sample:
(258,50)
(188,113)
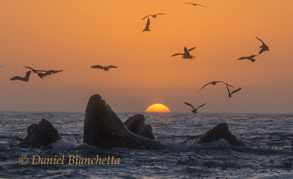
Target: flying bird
(105,68)
(25,79)
(214,83)
(231,93)
(251,58)
(186,53)
(263,47)
(43,73)
(153,15)
(194,110)
(147,26)
(194,4)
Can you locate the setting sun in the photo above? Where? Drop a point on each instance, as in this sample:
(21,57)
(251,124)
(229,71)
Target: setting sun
(157,108)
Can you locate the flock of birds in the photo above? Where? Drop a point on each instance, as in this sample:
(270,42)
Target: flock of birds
(43,73)
(185,55)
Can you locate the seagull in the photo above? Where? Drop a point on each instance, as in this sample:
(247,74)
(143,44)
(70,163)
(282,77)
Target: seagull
(194,4)
(263,47)
(105,68)
(186,53)
(147,26)
(231,93)
(251,58)
(214,83)
(193,109)
(43,73)
(153,15)
(25,79)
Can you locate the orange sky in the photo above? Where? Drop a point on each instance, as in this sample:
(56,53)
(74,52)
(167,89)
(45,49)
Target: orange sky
(73,35)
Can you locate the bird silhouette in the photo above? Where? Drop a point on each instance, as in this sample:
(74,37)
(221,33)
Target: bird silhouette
(194,110)
(251,58)
(43,73)
(105,68)
(153,15)
(186,53)
(147,26)
(231,93)
(25,79)
(194,4)
(214,83)
(263,47)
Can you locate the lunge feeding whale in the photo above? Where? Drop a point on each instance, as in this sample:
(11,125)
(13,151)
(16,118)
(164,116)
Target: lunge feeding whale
(41,134)
(136,125)
(102,127)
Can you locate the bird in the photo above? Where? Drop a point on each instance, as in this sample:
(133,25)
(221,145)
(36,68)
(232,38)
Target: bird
(231,93)
(214,83)
(153,15)
(263,47)
(194,4)
(25,79)
(194,110)
(251,58)
(43,73)
(147,26)
(186,53)
(105,68)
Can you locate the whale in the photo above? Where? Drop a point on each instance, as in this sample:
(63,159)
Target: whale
(40,135)
(221,131)
(103,128)
(136,125)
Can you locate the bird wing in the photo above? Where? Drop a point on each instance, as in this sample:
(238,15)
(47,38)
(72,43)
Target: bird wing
(201,106)
(97,66)
(260,40)
(205,86)
(225,83)
(55,71)
(200,5)
(111,66)
(28,67)
(188,104)
(160,14)
(188,3)
(261,51)
(242,58)
(186,50)
(16,78)
(148,23)
(177,54)
(235,91)
(27,74)
(191,49)
(146,17)
(229,93)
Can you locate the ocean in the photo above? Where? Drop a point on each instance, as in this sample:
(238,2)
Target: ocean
(268,151)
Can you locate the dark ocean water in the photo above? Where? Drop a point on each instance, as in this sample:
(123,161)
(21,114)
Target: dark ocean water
(268,152)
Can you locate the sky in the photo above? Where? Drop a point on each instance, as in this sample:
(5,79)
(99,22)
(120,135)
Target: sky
(72,35)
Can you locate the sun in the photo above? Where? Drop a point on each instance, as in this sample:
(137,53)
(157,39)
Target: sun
(157,108)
